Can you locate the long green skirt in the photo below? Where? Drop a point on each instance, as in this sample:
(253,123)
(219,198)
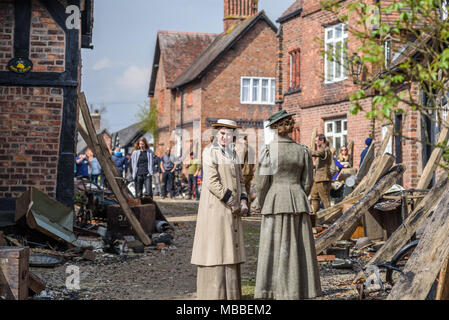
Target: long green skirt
(287,267)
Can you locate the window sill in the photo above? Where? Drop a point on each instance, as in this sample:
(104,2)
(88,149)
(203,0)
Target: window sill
(292,91)
(335,81)
(259,103)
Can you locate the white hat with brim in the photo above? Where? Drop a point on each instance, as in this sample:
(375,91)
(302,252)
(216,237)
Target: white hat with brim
(226,123)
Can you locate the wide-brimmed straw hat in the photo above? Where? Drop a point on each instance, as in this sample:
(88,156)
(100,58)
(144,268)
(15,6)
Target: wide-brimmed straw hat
(278,116)
(226,123)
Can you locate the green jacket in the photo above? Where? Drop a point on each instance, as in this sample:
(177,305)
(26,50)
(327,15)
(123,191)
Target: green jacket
(323,167)
(284,177)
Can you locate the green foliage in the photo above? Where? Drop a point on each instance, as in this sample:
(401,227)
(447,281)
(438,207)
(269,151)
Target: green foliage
(419,58)
(148,116)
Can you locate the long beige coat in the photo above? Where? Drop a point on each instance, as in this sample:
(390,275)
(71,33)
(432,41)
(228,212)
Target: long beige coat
(219,235)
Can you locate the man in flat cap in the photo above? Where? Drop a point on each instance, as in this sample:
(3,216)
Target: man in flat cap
(218,248)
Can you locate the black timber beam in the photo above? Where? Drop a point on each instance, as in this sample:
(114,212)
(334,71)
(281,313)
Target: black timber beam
(22,16)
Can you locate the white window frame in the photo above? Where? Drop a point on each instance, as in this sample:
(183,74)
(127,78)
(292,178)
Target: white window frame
(343,39)
(270,94)
(444,10)
(335,135)
(387,53)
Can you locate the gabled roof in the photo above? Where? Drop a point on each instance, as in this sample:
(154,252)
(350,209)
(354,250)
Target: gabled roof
(177,50)
(291,12)
(127,135)
(218,48)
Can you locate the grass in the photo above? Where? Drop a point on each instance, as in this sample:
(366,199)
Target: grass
(251,234)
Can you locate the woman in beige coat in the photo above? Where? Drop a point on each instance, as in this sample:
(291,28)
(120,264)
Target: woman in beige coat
(287,266)
(218,248)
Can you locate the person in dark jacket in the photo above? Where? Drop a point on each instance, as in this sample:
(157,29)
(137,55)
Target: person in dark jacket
(168,173)
(142,167)
(119,160)
(156,174)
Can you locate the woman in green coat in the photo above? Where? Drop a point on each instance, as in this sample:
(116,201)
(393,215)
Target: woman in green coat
(287,267)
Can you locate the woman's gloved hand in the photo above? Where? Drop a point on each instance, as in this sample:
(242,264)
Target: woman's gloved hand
(243,207)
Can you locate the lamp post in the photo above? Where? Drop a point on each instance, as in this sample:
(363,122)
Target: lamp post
(356,67)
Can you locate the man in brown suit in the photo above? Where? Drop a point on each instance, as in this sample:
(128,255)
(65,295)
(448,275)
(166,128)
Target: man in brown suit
(323,178)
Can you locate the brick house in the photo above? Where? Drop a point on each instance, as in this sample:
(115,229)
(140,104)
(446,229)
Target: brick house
(318,90)
(38,107)
(199,78)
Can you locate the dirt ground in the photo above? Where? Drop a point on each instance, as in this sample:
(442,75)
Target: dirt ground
(167,274)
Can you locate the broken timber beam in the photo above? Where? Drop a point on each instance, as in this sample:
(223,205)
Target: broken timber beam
(366,164)
(329,213)
(405,231)
(110,173)
(426,261)
(384,163)
(352,215)
(434,160)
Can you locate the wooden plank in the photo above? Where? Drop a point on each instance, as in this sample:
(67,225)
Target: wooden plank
(331,211)
(312,139)
(384,164)
(35,284)
(427,259)
(352,216)
(434,160)
(109,172)
(405,231)
(385,142)
(366,164)
(443,282)
(14,263)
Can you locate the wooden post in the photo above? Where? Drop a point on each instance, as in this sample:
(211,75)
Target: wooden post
(434,160)
(426,261)
(110,173)
(405,231)
(352,216)
(312,139)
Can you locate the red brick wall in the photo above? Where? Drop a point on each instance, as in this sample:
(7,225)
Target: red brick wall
(318,101)
(30,122)
(30,117)
(6,33)
(47,41)
(255,55)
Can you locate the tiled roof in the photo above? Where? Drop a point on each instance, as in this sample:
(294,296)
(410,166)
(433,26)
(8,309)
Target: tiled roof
(180,49)
(218,47)
(294,9)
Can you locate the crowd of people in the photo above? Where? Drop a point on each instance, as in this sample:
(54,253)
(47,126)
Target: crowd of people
(153,175)
(292,183)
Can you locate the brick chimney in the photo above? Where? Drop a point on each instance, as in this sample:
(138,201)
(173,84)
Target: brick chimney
(96,119)
(236,11)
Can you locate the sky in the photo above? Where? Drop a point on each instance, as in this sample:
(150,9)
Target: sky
(116,73)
